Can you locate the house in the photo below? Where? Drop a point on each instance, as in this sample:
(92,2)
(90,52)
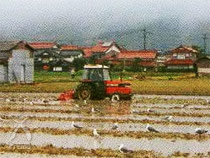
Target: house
(50,60)
(101,49)
(16,62)
(144,58)
(46,51)
(43,45)
(182,57)
(70,52)
(203,66)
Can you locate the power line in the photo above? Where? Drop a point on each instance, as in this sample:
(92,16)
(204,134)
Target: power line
(204,42)
(145,33)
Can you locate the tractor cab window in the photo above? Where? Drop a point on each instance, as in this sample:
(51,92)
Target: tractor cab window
(106,75)
(96,74)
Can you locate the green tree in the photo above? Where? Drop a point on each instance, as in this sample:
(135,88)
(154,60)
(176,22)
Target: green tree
(79,63)
(135,65)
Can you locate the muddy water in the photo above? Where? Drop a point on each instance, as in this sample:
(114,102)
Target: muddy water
(133,117)
(169,147)
(187,111)
(20,106)
(170,106)
(108,126)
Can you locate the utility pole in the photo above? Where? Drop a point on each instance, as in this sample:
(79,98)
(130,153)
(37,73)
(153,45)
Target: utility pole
(204,42)
(145,33)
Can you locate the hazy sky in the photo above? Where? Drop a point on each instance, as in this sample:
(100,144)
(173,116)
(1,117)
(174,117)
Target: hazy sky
(94,16)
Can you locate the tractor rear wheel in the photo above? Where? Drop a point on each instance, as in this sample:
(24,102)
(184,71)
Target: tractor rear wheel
(84,92)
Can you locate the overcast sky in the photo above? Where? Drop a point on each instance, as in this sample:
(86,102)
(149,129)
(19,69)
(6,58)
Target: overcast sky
(90,11)
(97,15)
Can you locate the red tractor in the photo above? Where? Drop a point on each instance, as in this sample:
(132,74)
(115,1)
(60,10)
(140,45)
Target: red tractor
(97,84)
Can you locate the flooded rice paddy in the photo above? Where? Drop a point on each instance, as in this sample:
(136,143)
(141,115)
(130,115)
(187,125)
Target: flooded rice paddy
(21,113)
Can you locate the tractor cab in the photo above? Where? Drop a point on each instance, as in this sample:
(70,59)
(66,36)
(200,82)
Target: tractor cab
(96,73)
(96,83)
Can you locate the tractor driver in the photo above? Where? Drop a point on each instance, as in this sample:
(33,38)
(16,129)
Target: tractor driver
(96,75)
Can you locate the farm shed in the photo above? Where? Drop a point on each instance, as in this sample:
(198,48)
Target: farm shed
(203,65)
(16,62)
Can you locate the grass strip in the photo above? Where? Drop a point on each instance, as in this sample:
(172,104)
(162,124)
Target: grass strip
(52,150)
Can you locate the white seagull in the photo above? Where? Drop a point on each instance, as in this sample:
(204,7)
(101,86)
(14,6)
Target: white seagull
(95,133)
(151,129)
(124,149)
(93,110)
(200,131)
(7,100)
(85,102)
(115,126)
(150,110)
(168,118)
(76,126)
(185,105)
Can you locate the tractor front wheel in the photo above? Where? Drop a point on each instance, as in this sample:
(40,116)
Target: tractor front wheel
(84,92)
(115,98)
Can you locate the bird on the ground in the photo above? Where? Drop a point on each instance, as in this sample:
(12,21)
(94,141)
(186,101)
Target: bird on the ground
(85,102)
(76,126)
(95,133)
(31,103)
(115,126)
(45,101)
(200,131)
(76,105)
(168,118)
(124,149)
(185,105)
(150,110)
(93,110)
(151,129)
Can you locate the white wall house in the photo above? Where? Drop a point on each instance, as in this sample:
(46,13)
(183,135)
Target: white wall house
(16,62)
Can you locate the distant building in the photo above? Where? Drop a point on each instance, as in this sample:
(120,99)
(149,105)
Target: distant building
(145,58)
(102,49)
(203,66)
(50,60)
(69,53)
(182,57)
(16,62)
(40,46)
(45,53)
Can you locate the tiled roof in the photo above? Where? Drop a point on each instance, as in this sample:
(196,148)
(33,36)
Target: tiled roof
(143,54)
(94,49)
(185,49)
(70,47)
(179,62)
(42,45)
(7,45)
(148,63)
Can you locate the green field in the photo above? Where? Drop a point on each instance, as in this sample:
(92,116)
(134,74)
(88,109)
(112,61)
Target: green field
(152,83)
